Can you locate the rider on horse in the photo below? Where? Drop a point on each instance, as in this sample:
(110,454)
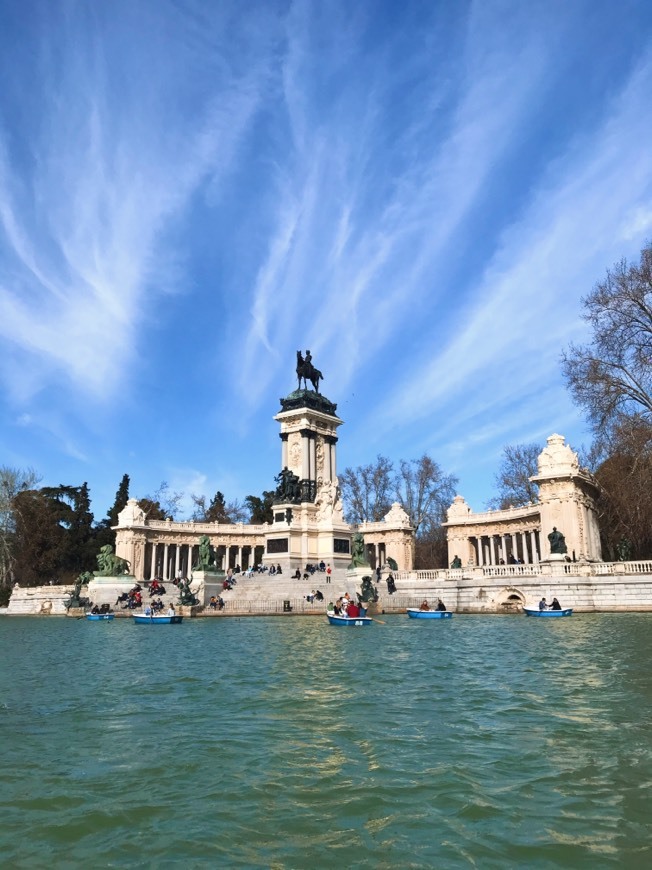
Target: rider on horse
(307,372)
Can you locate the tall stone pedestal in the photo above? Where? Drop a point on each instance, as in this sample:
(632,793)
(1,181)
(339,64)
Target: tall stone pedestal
(106,590)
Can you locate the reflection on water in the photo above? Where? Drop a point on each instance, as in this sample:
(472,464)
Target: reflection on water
(479,741)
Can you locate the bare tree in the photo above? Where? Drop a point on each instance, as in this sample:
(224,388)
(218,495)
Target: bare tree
(612,376)
(162,504)
(625,505)
(515,489)
(424,491)
(218,511)
(367,490)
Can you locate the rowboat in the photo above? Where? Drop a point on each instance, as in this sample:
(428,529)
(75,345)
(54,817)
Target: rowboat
(415,613)
(142,619)
(96,617)
(534,611)
(353,621)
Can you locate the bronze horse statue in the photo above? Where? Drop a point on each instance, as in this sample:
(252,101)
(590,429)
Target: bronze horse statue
(307,372)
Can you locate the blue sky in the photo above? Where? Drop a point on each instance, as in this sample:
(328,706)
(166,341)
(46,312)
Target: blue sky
(419,192)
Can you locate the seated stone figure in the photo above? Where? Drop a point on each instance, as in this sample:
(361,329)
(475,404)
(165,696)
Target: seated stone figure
(557,542)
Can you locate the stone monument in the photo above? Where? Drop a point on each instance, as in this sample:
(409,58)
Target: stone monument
(308,525)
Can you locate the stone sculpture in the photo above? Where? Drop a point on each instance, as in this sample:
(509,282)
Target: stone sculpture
(109,564)
(368,593)
(358,552)
(186,597)
(557,542)
(205,559)
(288,489)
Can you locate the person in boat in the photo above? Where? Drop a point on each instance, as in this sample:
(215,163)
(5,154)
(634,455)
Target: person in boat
(424,605)
(543,604)
(148,611)
(353,611)
(555,605)
(171,610)
(440,604)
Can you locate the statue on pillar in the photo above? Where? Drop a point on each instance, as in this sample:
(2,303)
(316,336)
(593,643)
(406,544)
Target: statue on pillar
(307,372)
(109,564)
(206,557)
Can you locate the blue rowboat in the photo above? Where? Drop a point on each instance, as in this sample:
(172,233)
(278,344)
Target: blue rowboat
(353,621)
(96,617)
(415,613)
(534,611)
(141,619)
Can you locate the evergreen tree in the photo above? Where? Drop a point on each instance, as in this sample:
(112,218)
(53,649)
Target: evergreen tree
(121,499)
(103,534)
(261,509)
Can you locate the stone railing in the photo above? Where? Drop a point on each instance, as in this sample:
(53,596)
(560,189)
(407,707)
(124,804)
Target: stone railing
(207,528)
(641,566)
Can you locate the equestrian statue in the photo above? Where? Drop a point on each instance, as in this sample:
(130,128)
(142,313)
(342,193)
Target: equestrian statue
(307,372)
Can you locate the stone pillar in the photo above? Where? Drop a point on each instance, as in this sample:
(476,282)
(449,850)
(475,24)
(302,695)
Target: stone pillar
(492,553)
(313,457)
(333,445)
(533,544)
(327,461)
(284,449)
(177,561)
(240,556)
(305,454)
(526,555)
(166,575)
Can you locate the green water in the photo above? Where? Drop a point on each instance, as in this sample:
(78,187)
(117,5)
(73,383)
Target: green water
(288,743)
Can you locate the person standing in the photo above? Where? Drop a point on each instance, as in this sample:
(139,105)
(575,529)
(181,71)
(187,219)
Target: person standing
(328,573)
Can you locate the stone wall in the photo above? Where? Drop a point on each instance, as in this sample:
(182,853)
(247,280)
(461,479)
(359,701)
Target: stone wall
(39,600)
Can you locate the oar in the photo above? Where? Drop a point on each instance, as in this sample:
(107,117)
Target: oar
(375,619)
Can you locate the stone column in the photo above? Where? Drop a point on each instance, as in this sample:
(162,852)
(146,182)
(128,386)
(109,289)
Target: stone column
(533,544)
(313,457)
(494,560)
(240,556)
(152,570)
(481,559)
(333,443)
(226,558)
(165,562)
(305,454)
(327,461)
(177,561)
(284,449)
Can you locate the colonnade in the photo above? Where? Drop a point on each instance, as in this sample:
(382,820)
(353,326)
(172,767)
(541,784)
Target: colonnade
(508,548)
(309,465)
(167,560)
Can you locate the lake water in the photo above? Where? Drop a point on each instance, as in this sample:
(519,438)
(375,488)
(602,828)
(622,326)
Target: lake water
(481,741)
